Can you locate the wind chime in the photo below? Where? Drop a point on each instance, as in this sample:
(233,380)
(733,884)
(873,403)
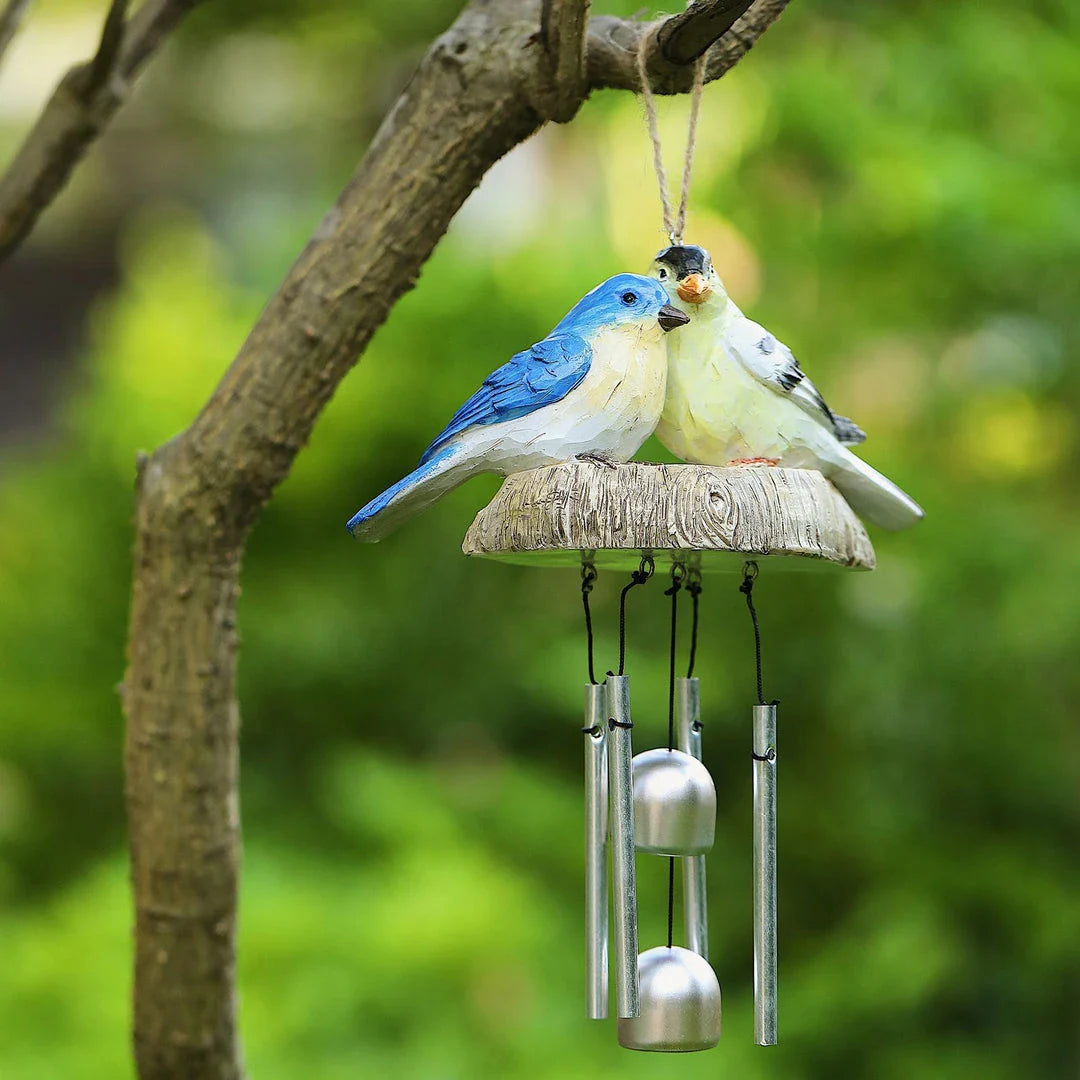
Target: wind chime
(663,802)
(588,511)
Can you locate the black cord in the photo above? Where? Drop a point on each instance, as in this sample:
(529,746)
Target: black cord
(750,573)
(678,572)
(638,577)
(588,579)
(693,587)
(671,901)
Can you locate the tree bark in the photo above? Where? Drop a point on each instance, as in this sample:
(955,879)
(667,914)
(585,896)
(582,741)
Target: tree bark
(484,86)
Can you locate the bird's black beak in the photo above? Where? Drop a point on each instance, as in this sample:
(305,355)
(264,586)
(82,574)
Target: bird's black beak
(670,317)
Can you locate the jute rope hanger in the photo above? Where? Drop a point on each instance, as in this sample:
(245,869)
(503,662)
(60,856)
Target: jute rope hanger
(674,222)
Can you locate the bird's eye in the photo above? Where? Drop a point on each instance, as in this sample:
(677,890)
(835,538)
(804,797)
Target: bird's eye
(629,298)
(663,274)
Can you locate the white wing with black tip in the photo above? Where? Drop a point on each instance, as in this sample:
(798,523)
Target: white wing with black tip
(774,364)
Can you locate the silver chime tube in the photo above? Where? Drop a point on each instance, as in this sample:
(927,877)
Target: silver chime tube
(596,877)
(623,877)
(765,875)
(695,901)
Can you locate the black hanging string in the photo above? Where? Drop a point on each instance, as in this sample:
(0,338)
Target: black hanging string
(671,901)
(693,587)
(677,575)
(638,577)
(750,573)
(588,579)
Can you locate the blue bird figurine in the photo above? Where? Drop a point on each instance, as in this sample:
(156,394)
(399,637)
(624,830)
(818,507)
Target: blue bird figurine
(593,388)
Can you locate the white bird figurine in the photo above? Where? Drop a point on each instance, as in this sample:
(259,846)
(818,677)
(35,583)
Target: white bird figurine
(736,395)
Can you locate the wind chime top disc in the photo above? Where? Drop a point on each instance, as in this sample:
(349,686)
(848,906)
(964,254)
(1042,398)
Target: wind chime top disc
(702,516)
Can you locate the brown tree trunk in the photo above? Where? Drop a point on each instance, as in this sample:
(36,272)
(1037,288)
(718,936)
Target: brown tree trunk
(484,86)
(181,758)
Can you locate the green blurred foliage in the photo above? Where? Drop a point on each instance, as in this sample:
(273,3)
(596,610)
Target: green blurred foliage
(893,191)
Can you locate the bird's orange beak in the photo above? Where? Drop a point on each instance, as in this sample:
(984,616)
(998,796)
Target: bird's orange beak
(694,288)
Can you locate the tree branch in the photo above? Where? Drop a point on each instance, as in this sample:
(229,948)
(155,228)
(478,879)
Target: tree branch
(10,20)
(684,37)
(562,31)
(104,63)
(478,92)
(704,27)
(78,111)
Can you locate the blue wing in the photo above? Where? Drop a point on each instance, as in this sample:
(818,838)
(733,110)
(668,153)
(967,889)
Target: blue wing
(542,375)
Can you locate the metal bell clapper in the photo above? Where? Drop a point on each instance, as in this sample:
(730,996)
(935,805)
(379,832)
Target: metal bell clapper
(674,804)
(679,996)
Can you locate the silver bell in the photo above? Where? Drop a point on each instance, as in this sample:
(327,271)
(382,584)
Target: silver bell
(674,804)
(679,998)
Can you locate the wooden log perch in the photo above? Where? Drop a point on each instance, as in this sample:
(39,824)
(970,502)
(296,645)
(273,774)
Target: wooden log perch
(695,514)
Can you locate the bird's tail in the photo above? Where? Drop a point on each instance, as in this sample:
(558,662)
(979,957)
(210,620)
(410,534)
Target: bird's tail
(423,486)
(873,496)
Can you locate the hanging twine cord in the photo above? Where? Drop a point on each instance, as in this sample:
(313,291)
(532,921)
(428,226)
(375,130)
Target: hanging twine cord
(588,579)
(638,577)
(674,220)
(691,145)
(750,573)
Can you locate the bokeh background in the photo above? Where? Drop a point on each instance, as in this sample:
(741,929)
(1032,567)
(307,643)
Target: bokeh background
(893,190)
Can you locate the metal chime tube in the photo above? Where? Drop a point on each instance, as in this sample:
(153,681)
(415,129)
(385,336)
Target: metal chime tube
(695,903)
(596,876)
(765,875)
(623,877)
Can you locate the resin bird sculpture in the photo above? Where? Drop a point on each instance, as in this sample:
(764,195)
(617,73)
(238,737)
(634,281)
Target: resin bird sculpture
(736,395)
(593,388)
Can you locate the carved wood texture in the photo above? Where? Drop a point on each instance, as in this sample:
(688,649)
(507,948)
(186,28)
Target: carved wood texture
(701,515)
